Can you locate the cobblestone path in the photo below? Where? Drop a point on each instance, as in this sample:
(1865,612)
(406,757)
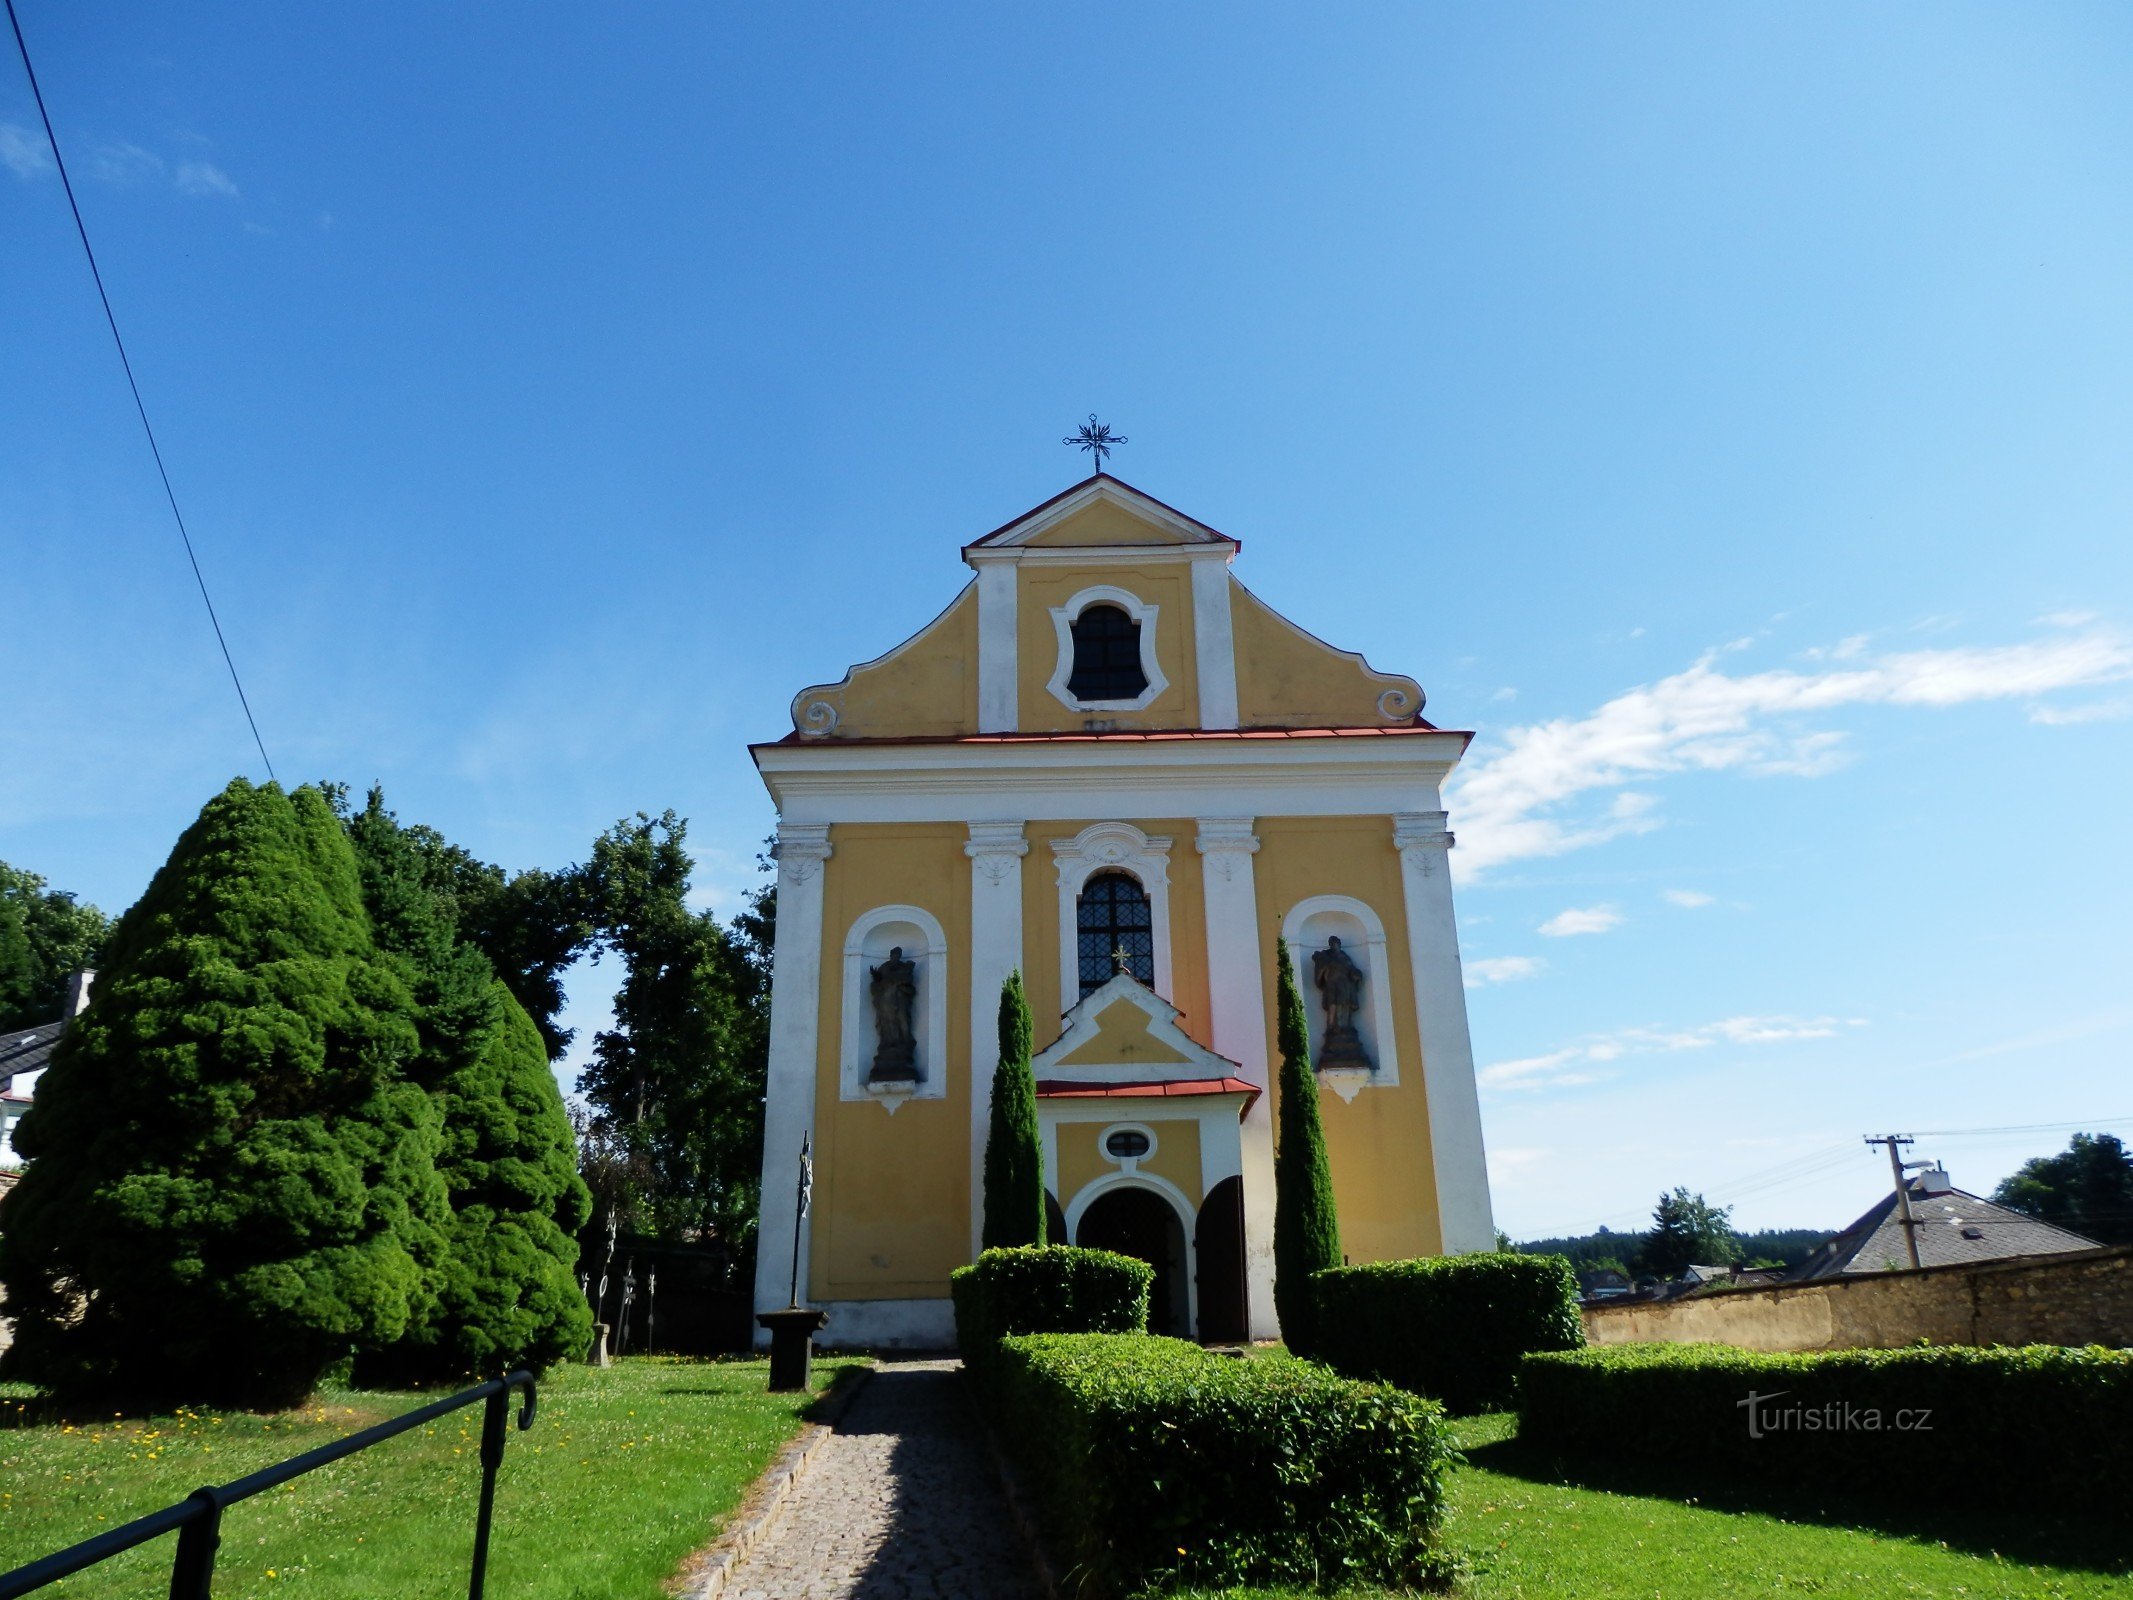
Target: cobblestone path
(899,1503)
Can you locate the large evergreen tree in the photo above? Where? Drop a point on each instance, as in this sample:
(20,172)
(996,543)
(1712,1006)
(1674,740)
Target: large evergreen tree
(1307,1231)
(2087,1188)
(1014,1156)
(231,1181)
(46,935)
(506,1296)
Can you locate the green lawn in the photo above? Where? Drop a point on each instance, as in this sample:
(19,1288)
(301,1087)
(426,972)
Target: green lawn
(1524,1533)
(624,1472)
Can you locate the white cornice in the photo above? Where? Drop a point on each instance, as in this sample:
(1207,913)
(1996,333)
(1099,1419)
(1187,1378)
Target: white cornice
(1079,779)
(1100,555)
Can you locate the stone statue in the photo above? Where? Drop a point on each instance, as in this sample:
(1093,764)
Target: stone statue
(895,994)
(1340,993)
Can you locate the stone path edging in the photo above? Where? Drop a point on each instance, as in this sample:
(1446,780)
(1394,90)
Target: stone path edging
(1040,1558)
(704,1575)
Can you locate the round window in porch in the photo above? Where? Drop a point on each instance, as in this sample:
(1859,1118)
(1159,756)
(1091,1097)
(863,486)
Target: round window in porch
(1127,1144)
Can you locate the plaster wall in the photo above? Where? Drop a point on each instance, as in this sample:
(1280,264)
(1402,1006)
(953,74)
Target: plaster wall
(1384,1180)
(1287,678)
(892,1203)
(1166,585)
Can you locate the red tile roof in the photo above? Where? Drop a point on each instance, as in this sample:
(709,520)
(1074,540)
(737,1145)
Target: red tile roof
(1163,1088)
(1143,736)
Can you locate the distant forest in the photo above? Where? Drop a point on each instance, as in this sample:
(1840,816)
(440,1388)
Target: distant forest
(1588,1252)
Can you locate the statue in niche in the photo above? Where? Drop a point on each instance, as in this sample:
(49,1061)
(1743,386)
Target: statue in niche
(1340,993)
(895,996)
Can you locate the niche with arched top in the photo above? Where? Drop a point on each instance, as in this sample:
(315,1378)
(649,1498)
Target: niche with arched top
(874,935)
(1310,927)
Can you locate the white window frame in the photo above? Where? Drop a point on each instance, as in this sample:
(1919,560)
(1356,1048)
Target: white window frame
(1377,980)
(1127,1164)
(1102,847)
(932,963)
(1141,611)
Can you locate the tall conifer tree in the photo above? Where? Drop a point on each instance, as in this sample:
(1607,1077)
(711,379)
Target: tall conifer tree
(506,1295)
(1307,1233)
(231,1181)
(1014,1158)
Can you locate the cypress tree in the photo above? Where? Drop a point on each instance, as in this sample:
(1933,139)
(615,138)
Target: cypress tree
(230,1180)
(1014,1159)
(1307,1230)
(506,1295)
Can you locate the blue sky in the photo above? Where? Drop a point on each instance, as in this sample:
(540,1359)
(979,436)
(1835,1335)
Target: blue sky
(1723,412)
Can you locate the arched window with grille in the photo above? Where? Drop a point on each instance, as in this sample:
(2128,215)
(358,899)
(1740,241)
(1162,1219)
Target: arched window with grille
(1113,915)
(1107,656)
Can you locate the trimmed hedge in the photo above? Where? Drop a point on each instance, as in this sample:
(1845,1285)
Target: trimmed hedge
(1154,1464)
(1451,1327)
(1046,1289)
(2040,1426)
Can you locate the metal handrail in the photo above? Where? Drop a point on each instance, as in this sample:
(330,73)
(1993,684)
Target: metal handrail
(198,1517)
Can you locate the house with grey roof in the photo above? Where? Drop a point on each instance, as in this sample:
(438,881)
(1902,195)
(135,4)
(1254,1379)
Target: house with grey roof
(1952,1227)
(24,1055)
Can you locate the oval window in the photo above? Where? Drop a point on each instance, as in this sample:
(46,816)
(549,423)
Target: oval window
(1127,1144)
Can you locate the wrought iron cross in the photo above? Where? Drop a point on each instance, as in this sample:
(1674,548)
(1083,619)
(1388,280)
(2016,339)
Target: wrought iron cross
(1096,438)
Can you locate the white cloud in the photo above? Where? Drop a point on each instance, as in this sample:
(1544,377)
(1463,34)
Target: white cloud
(204,178)
(2070,716)
(123,163)
(1688,899)
(1588,919)
(2067,619)
(1505,693)
(1483,970)
(1510,805)
(23,151)
(1576,1063)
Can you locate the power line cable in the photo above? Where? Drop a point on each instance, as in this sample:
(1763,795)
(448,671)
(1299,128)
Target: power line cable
(82,229)
(2032,1127)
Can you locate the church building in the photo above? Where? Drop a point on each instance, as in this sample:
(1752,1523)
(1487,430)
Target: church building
(1110,766)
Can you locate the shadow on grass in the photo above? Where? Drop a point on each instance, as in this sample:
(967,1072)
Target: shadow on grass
(2080,1542)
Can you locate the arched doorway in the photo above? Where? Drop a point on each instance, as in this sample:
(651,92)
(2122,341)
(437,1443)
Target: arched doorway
(1139,1222)
(1218,1259)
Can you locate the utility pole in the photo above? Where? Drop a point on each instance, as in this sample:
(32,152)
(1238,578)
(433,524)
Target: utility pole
(1903,1193)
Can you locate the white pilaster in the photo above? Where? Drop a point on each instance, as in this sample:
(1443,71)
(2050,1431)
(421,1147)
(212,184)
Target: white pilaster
(1214,643)
(1236,991)
(789,1108)
(996,850)
(998,655)
(1447,1049)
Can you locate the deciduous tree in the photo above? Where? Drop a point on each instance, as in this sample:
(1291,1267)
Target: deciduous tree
(2086,1188)
(1687,1230)
(680,1076)
(45,936)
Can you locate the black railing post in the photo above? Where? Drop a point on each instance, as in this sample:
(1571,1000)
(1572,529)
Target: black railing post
(492,1457)
(192,1573)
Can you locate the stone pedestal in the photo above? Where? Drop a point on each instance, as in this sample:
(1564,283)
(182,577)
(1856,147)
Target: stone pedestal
(599,1355)
(792,1344)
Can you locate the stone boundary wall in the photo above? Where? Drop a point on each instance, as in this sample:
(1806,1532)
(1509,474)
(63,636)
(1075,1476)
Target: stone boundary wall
(2085,1297)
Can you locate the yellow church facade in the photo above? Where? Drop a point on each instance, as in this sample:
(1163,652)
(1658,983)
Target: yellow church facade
(1110,766)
